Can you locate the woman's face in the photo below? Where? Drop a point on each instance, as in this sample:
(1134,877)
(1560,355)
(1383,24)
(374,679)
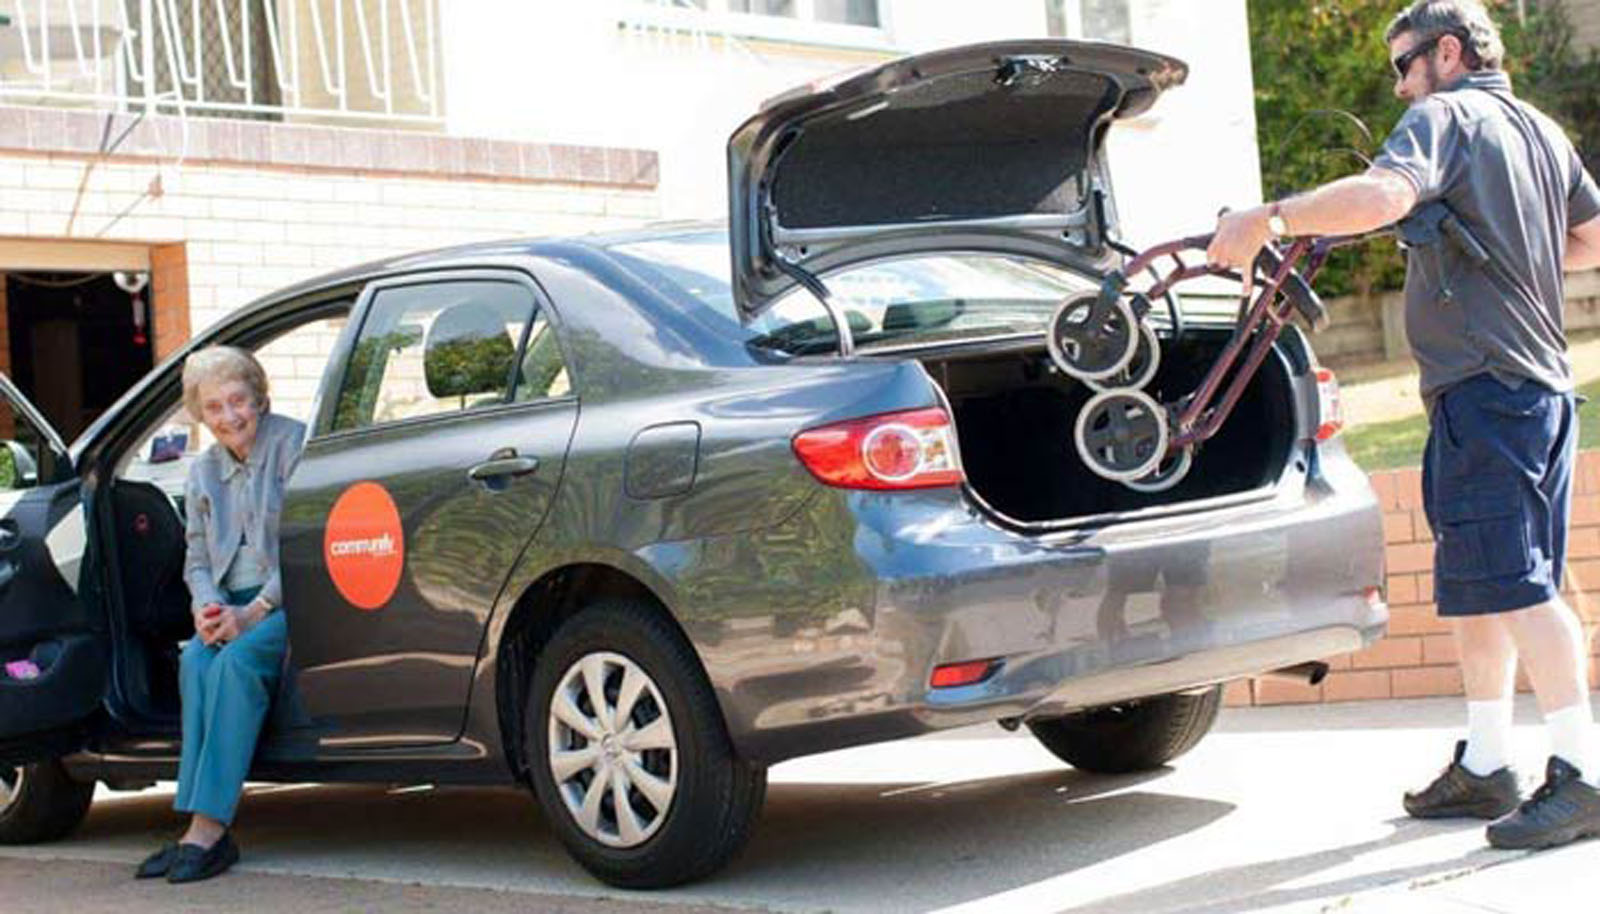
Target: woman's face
(230,410)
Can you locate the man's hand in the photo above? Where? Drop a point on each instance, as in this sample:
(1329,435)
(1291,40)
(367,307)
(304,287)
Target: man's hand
(1239,238)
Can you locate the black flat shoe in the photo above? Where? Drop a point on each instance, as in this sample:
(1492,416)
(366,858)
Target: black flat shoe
(193,863)
(157,864)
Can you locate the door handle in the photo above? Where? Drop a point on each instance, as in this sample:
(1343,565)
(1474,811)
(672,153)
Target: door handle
(10,536)
(8,570)
(499,467)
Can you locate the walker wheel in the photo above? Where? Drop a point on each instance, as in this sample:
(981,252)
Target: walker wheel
(1168,472)
(1091,339)
(1141,368)
(1121,434)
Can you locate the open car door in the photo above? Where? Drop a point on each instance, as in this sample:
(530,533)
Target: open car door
(54,649)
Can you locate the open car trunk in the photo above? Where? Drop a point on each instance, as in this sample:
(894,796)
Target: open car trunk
(1015,413)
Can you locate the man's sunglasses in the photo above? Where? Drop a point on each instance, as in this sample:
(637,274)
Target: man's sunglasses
(1402,64)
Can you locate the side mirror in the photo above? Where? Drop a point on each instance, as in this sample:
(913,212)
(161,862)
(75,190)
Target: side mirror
(24,469)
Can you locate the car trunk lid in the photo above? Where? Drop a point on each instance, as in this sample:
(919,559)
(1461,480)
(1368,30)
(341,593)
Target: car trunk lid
(984,147)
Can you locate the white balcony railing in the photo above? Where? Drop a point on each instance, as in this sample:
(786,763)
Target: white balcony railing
(357,60)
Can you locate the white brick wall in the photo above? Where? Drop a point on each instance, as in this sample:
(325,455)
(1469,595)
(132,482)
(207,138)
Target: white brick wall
(249,232)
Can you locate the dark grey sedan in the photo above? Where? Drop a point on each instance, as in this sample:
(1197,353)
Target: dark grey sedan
(629,518)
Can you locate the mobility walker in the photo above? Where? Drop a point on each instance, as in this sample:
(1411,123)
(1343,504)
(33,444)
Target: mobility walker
(1102,339)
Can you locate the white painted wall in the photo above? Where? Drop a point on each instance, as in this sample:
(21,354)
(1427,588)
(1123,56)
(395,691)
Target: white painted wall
(566,72)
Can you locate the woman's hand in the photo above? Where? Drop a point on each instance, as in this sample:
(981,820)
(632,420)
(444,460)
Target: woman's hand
(217,624)
(229,625)
(206,619)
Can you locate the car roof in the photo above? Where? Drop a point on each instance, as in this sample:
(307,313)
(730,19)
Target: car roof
(499,249)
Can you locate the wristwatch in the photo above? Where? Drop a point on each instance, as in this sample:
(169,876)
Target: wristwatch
(1275,222)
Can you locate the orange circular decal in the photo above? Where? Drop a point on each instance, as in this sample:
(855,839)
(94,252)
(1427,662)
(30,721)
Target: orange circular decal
(364,546)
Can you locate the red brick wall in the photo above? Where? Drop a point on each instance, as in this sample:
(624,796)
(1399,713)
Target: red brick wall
(1418,657)
(168,297)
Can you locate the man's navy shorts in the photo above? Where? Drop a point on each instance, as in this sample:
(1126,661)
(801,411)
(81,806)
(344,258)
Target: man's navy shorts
(1497,490)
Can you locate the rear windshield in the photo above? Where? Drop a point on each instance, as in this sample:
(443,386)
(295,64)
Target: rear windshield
(921,298)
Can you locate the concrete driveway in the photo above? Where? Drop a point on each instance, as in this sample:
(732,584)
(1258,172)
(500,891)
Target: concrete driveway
(1279,809)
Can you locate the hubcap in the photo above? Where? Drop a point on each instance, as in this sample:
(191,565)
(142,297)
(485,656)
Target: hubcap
(613,752)
(10,788)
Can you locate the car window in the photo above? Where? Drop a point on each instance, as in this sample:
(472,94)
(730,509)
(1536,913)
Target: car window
(294,361)
(916,298)
(441,347)
(542,373)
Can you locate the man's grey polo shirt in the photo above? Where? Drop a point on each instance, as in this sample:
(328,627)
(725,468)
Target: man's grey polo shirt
(1512,177)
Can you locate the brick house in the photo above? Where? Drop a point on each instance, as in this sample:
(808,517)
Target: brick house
(222,154)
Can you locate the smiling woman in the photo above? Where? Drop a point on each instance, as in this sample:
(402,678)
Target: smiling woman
(230,668)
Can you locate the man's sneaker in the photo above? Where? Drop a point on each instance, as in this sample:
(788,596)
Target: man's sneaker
(1458,793)
(1562,810)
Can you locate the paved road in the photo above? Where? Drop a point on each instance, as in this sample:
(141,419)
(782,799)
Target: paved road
(1292,809)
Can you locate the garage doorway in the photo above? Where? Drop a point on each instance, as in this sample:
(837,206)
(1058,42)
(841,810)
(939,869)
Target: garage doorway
(70,336)
(77,341)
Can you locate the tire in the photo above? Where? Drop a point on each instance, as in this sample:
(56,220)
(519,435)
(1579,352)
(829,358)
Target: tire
(712,796)
(40,802)
(1131,736)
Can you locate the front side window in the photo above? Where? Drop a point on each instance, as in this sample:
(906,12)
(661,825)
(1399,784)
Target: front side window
(443,347)
(293,358)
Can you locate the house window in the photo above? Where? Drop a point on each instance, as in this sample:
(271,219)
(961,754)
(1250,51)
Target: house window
(841,12)
(1095,20)
(842,23)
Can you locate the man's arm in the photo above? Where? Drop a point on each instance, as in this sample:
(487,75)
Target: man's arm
(1583,246)
(1348,206)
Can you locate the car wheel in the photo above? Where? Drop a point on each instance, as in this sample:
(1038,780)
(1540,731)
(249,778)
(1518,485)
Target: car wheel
(40,802)
(1133,735)
(628,752)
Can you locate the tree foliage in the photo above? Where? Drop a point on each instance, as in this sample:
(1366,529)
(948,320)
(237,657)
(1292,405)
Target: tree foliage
(1325,100)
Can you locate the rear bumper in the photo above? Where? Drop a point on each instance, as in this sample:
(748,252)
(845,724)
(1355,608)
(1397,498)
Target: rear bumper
(1131,609)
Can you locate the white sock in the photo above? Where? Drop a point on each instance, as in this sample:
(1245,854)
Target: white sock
(1488,736)
(1571,737)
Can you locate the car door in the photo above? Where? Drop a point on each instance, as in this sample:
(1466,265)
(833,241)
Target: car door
(436,452)
(54,648)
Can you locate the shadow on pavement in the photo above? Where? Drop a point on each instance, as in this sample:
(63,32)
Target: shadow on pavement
(1253,886)
(846,847)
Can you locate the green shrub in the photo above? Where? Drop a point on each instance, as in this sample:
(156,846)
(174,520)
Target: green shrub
(1325,100)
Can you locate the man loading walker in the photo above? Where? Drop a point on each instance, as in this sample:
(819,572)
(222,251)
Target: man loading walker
(1488,334)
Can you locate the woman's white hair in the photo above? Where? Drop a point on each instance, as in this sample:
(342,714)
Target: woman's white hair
(218,365)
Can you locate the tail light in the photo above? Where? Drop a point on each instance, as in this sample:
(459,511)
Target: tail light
(1330,411)
(905,450)
(969,672)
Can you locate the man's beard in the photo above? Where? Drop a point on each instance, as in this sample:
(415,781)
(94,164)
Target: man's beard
(1430,75)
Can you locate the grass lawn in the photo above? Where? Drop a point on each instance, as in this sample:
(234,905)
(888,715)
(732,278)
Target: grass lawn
(1388,445)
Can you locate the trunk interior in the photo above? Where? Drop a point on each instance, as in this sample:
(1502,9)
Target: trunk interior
(1015,414)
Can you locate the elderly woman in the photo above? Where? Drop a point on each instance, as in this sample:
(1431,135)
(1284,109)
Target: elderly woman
(229,670)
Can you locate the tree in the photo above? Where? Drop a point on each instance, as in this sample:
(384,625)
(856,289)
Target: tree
(1325,100)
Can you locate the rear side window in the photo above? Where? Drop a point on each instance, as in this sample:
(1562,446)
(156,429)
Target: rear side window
(445,347)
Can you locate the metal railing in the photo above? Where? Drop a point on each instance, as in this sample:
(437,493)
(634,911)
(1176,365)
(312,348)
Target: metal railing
(323,59)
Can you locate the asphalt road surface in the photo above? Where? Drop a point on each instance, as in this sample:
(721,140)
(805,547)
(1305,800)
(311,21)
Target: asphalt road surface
(1293,809)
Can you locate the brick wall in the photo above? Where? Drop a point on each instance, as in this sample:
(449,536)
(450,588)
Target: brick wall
(1418,657)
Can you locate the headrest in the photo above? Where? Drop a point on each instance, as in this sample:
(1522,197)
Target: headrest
(468,351)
